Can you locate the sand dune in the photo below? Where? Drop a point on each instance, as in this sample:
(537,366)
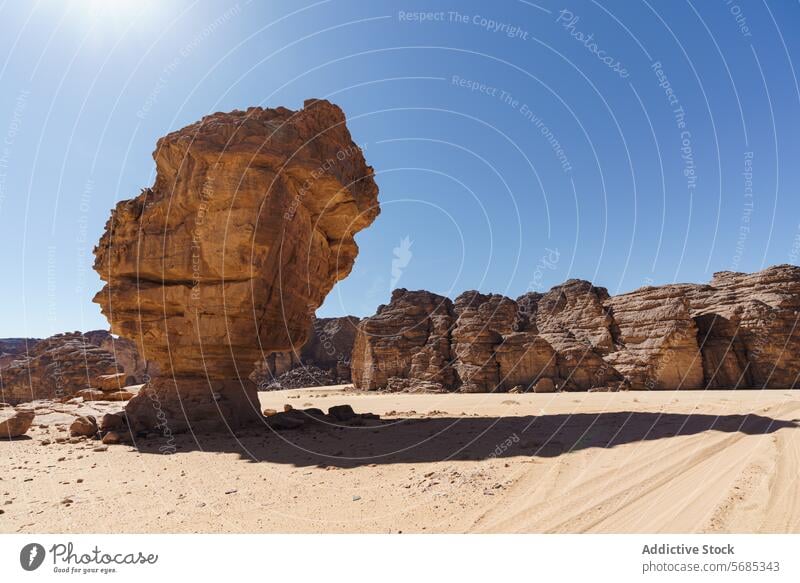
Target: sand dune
(713,461)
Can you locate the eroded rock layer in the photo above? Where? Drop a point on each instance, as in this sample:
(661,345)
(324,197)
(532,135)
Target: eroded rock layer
(56,367)
(739,331)
(249,224)
(408,339)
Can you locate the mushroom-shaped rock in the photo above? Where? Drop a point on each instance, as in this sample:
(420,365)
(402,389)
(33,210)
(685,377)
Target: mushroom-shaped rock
(250,223)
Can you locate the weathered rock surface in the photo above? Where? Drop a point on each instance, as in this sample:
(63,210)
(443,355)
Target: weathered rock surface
(55,367)
(407,339)
(65,364)
(249,224)
(577,308)
(328,351)
(83,426)
(741,330)
(758,316)
(15,348)
(15,422)
(127,357)
(658,339)
(125,394)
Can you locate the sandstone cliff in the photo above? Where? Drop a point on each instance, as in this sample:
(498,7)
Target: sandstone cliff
(249,224)
(407,339)
(738,331)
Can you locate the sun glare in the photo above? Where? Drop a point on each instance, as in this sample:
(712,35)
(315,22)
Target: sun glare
(116,12)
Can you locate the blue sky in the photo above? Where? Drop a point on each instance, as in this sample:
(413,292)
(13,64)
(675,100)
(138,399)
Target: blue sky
(512,149)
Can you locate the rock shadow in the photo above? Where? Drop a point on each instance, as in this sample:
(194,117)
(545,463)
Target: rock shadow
(432,439)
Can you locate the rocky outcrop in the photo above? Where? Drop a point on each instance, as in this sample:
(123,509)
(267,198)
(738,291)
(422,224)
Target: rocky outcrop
(577,308)
(478,343)
(758,316)
(408,339)
(12,349)
(56,367)
(657,339)
(68,364)
(249,224)
(741,330)
(497,344)
(328,350)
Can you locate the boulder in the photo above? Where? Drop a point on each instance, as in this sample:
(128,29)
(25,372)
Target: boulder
(98,395)
(249,224)
(341,412)
(15,422)
(111,382)
(112,438)
(83,426)
(92,395)
(114,422)
(285,420)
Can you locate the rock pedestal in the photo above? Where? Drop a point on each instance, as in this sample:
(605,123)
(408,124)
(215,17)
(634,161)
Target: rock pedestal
(224,259)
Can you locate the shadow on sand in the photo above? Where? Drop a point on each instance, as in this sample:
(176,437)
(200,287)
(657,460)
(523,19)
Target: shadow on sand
(430,439)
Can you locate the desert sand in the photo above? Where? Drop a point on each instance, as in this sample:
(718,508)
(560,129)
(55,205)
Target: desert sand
(631,462)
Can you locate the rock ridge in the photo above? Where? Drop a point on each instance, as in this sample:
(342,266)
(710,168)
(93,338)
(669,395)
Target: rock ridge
(738,331)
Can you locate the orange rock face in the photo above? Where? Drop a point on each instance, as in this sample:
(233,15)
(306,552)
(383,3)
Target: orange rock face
(249,224)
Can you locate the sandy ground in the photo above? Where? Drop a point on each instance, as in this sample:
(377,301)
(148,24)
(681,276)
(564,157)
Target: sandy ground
(713,461)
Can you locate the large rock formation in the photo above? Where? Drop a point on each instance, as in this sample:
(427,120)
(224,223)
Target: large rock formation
(249,224)
(407,339)
(56,367)
(329,349)
(739,331)
(750,325)
(657,339)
